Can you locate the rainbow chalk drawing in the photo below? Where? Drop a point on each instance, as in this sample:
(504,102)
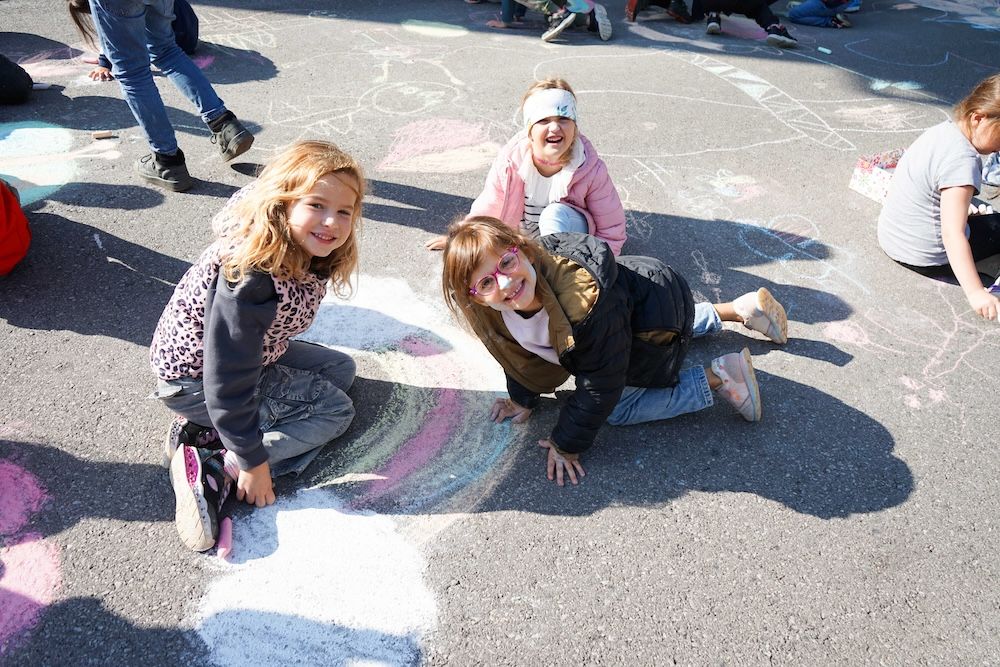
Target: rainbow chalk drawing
(353,591)
(30,574)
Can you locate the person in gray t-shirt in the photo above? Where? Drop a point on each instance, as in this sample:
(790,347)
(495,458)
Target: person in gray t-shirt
(925,223)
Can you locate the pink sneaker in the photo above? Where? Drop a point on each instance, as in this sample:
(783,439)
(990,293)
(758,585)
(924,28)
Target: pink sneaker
(761,312)
(739,384)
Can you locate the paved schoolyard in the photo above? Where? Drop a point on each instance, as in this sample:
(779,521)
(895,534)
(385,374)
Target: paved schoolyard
(856,524)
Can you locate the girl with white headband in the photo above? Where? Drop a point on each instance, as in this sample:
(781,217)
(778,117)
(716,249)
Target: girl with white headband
(548,178)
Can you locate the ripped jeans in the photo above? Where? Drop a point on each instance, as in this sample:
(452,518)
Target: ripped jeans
(303,404)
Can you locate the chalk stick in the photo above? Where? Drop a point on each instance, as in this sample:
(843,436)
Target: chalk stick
(40,86)
(823,49)
(224,545)
(102,134)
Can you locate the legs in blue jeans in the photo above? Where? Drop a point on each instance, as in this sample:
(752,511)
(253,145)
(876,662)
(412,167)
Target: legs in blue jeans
(692,393)
(561,218)
(813,12)
(303,404)
(134,33)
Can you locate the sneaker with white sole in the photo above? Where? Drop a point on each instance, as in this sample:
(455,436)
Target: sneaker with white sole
(713,23)
(739,384)
(558,23)
(762,313)
(201,486)
(600,14)
(777,35)
(184,432)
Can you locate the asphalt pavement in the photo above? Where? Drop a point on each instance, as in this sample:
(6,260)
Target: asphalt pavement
(856,524)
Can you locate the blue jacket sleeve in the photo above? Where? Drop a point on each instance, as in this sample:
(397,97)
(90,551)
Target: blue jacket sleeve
(236,318)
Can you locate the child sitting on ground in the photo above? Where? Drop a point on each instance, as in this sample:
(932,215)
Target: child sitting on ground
(620,326)
(252,403)
(925,223)
(549,178)
(758,10)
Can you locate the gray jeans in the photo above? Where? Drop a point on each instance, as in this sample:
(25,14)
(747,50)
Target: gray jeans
(303,404)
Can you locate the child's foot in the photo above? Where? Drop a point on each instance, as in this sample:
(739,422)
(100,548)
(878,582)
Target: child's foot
(713,23)
(739,384)
(558,23)
(777,35)
(500,25)
(183,432)
(599,15)
(169,172)
(678,9)
(200,488)
(761,312)
(839,21)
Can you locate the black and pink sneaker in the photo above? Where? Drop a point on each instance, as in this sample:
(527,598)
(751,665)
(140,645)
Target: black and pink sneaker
(184,432)
(201,486)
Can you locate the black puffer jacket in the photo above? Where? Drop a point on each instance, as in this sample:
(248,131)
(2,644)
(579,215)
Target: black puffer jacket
(613,324)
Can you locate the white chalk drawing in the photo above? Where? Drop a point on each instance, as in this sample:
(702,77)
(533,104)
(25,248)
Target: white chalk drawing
(320,578)
(982,14)
(39,158)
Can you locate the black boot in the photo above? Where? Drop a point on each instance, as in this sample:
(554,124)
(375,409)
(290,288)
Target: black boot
(166,171)
(232,138)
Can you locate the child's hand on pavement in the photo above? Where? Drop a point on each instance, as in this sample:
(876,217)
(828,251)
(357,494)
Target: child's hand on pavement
(505,407)
(557,464)
(985,304)
(255,486)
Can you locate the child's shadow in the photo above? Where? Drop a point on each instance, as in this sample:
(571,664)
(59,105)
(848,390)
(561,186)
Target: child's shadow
(79,278)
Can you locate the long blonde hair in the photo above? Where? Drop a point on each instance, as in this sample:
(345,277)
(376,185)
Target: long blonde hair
(265,241)
(469,240)
(984,98)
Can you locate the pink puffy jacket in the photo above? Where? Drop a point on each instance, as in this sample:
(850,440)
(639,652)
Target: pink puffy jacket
(590,191)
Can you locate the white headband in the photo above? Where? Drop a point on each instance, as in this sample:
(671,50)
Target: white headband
(549,102)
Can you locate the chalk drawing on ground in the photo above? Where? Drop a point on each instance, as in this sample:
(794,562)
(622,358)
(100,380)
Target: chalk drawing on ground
(320,576)
(440,145)
(39,158)
(251,30)
(30,570)
(981,14)
(943,342)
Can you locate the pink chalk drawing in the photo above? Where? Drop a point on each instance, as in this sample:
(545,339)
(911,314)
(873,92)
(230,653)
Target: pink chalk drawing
(52,63)
(440,146)
(30,574)
(334,573)
(203,61)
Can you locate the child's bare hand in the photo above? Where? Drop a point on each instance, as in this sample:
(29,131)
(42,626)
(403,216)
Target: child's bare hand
(985,304)
(437,243)
(504,407)
(100,74)
(559,465)
(255,486)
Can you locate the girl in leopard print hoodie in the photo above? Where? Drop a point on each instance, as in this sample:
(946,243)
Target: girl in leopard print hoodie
(252,403)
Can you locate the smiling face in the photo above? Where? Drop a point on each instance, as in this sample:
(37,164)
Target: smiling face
(512,290)
(323,220)
(551,141)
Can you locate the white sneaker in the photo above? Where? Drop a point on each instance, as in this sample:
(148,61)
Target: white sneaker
(603,22)
(761,312)
(558,23)
(739,383)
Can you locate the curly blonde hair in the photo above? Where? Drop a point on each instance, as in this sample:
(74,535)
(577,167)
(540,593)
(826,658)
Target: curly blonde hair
(261,218)
(469,240)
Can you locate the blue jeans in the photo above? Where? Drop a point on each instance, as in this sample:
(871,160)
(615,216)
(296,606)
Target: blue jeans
(134,33)
(813,12)
(558,217)
(303,404)
(510,9)
(692,393)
